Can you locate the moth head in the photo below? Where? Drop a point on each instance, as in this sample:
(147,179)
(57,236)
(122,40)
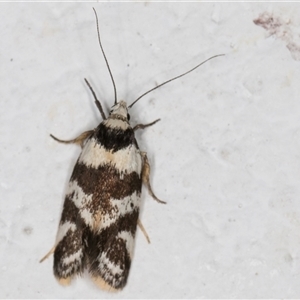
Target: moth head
(120,109)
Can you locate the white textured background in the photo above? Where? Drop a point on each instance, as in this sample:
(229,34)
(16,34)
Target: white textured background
(226,155)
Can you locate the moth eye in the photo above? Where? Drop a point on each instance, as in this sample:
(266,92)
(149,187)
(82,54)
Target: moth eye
(128,117)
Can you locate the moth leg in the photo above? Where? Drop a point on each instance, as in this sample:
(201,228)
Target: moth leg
(79,140)
(146,175)
(143,230)
(48,254)
(143,126)
(97,102)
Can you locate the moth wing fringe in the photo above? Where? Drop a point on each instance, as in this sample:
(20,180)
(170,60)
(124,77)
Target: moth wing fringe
(103,285)
(64,281)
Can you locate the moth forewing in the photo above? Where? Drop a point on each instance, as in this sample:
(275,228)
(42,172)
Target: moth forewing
(101,208)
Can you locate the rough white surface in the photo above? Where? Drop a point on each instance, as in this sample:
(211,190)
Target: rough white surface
(225,156)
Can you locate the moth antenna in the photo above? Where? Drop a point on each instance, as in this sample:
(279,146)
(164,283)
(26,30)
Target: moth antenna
(135,101)
(112,79)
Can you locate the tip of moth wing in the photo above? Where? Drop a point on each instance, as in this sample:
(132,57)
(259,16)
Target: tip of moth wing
(64,281)
(103,285)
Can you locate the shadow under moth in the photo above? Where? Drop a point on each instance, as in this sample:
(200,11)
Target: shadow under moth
(101,207)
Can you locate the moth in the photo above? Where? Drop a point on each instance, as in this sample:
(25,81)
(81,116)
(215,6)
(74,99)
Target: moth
(101,207)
